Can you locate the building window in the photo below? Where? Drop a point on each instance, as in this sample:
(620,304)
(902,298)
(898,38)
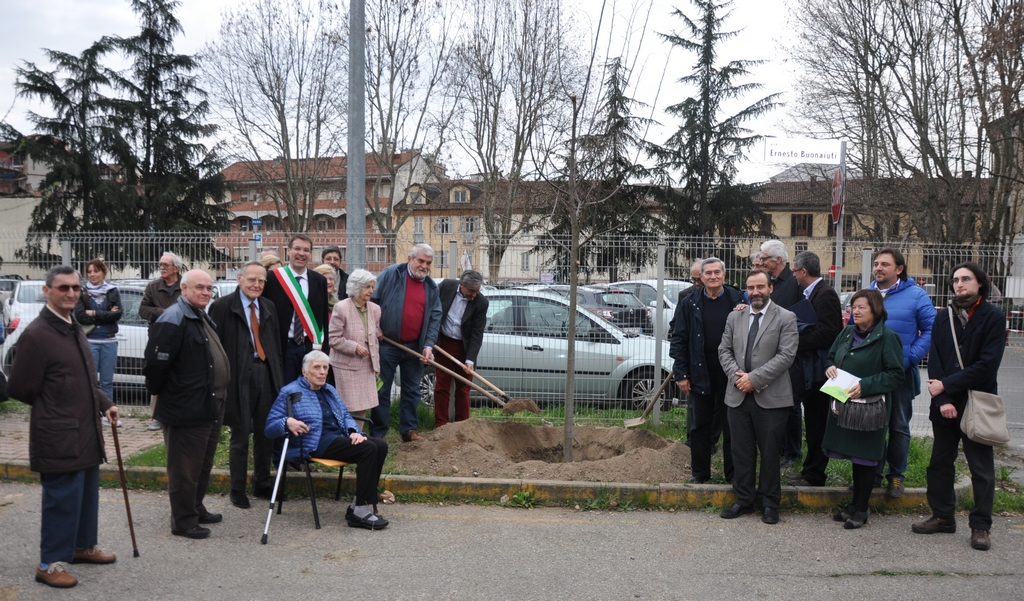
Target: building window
(416,197)
(417,234)
(442,258)
(468,227)
(241,254)
(524,261)
(460,196)
(376,254)
(887,228)
(324,224)
(443,225)
(847,228)
(244,224)
(803,224)
(800,247)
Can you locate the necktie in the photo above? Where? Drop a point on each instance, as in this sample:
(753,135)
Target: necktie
(751,335)
(254,324)
(299,333)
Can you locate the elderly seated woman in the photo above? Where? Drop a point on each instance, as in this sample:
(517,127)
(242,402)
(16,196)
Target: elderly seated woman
(326,430)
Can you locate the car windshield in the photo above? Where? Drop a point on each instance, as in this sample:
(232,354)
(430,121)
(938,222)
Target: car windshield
(31,292)
(672,290)
(622,299)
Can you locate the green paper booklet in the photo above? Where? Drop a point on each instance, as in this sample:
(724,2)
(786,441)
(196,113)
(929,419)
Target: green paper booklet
(836,387)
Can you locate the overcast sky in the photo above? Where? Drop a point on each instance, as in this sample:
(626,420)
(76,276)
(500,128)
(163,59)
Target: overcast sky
(72,25)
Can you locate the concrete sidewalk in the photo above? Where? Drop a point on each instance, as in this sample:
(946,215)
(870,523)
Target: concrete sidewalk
(493,553)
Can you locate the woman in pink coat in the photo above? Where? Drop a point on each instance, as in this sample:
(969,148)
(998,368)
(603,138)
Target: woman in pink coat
(353,337)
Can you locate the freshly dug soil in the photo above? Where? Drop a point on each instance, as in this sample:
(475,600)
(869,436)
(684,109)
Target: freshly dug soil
(478,447)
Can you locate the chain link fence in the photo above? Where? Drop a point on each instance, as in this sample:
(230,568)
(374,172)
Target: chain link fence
(621,345)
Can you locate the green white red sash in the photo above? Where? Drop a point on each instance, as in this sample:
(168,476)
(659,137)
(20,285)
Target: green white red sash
(301,305)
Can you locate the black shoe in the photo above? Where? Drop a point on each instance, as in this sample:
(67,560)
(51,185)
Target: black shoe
(239,500)
(736,511)
(770,516)
(368,522)
(857,520)
(800,481)
(193,532)
(696,480)
(211,518)
(843,514)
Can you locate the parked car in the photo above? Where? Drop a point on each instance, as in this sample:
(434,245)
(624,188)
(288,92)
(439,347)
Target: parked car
(614,304)
(647,292)
(132,332)
(7,286)
(525,345)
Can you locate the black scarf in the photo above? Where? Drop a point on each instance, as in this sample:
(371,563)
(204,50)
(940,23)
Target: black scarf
(961,306)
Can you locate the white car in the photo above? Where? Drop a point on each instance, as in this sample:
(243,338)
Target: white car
(647,292)
(525,345)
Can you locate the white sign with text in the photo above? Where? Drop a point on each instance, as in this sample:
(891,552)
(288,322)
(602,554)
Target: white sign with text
(802,150)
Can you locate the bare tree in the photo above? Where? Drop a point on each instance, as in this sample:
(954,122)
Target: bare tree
(409,48)
(510,76)
(277,77)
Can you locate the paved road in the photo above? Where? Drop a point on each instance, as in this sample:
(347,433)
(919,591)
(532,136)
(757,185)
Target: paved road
(479,553)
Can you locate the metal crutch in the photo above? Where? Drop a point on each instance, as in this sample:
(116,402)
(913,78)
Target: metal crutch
(292,398)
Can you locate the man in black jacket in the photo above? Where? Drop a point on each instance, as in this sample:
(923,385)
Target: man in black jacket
(815,342)
(699,323)
(247,328)
(463,318)
(300,298)
(188,370)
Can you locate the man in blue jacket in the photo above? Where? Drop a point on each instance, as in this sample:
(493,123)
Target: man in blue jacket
(911,314)
(410,314)
(699,323)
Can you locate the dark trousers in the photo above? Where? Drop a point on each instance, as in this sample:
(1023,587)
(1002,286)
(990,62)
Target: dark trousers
(863,481)
(942,475)
(256,401)
(756,430)
(710,417)
(293,354)
(444,383)
(368,456)
(815,403)
(392,358)
(190,451)
(71,504)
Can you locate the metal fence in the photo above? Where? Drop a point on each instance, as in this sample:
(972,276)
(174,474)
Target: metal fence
(619,359)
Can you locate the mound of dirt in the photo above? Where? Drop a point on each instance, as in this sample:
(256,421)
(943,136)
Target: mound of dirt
(516,450)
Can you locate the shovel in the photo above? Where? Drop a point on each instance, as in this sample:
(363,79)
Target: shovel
(500,392)
(508,409)
(639,421)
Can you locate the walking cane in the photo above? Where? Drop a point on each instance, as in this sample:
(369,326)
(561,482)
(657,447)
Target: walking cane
(124,488)
(293,397)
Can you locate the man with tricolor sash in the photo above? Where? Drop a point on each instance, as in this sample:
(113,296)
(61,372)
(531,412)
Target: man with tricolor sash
(300,298)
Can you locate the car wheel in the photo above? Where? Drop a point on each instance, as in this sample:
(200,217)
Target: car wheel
(427,386)
(637,388)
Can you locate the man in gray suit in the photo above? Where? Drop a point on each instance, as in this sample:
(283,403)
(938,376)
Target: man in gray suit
(758,346)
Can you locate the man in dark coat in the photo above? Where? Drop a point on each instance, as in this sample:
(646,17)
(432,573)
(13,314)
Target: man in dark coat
(187,368)
(160,294)
(463,318)
(815,342)
(299,295)
(786,292)
(332,256)
(248,331)
(699,323)
(53,371)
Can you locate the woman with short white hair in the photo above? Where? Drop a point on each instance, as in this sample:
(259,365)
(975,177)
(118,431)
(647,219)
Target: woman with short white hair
(355,348)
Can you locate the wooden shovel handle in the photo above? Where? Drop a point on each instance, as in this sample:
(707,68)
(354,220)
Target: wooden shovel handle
(474,372)
(657,396)
(474,385)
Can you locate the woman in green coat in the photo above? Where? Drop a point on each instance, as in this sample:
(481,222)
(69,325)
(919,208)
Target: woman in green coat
(874,353)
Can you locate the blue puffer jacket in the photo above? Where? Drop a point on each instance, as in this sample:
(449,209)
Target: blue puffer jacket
(307,410)
(911,315)
(390,295)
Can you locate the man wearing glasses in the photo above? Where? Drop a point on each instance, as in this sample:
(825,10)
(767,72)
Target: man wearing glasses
(300,297)
(160,294)
(248,329)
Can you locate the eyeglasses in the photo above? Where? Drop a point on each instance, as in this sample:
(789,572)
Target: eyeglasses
(964,280)
(763,258)
(66,287)
(168,265)
(252,278)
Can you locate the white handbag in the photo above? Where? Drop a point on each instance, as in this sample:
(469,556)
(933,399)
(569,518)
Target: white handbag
(984,418)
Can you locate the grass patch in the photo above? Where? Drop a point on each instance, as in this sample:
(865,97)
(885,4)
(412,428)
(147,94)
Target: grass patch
(13,406)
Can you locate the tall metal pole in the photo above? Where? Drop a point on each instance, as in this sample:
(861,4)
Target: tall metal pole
(355,180)
(659,331)
(842,217)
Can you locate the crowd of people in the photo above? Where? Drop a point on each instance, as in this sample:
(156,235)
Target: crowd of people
(749,361)
(310,352)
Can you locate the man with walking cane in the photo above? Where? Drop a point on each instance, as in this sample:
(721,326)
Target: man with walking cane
(53,372)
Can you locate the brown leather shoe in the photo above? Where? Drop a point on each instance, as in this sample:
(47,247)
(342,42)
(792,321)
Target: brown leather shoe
(55,576)
(934,524)
(410,436)
(93,555)
(980,540)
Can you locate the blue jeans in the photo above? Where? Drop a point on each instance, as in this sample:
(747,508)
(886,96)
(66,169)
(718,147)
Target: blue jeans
(71,504)
(899,425)
(391,359)
(104,355)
